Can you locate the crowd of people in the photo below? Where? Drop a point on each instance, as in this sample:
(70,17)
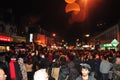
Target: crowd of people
(60,65)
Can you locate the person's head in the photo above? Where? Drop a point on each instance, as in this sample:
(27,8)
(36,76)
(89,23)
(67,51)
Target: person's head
(43,64)
(97,56)
(85,69)
(105,57)
(117,60)
(62,60)
(3,71)
(13,57)
(41,75)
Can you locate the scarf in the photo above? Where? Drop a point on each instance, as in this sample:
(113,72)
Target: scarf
(12,69)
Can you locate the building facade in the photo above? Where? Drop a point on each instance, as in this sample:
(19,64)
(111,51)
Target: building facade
(109,39)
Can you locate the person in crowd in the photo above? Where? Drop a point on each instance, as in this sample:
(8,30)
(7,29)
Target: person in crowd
(116,69)
(85,71)
(4,71)
(3,58)
(41,74)
(64,71)
(14,67)
(97,66)
(105,67)
(73,72)
(29,68)
(22,68)
(54,68)
(91,62)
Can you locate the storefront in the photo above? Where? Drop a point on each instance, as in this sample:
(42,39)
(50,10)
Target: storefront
(19,43)
(5,42)
(110,46)
(18,39)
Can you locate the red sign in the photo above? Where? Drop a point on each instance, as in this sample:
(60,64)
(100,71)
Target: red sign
(5,38)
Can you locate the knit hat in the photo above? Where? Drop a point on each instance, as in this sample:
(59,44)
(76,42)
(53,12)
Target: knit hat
(85,65)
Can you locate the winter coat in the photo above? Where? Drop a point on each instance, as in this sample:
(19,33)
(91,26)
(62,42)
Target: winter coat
(90,78)
(73,72)
(64,71)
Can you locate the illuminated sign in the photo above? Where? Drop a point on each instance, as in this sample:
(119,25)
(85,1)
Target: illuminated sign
(107,45)
(5,38)
(41,39)
(115,43)
(31,37)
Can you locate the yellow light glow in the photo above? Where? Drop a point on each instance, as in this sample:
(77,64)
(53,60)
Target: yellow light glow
(87,35)
(53,34)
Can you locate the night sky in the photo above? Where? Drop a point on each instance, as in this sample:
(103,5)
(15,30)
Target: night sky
(51,16)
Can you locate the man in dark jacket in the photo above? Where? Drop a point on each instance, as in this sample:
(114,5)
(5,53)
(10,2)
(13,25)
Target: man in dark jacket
(85,70)
(64,71)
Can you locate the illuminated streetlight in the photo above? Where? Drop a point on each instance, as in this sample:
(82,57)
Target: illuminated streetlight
(87,35)
(53,34)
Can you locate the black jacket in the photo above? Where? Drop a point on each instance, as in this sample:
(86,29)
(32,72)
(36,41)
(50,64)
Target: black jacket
(64,71)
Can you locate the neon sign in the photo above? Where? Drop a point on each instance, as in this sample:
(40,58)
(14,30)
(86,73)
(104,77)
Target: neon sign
(5,38)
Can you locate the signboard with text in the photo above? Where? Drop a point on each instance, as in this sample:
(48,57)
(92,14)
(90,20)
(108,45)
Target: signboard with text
(5,38)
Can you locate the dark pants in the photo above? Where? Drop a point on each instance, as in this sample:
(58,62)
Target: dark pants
(97,75)
(30,75)
(104,76)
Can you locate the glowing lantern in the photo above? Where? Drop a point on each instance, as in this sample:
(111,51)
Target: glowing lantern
(72,7)
(70,1)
